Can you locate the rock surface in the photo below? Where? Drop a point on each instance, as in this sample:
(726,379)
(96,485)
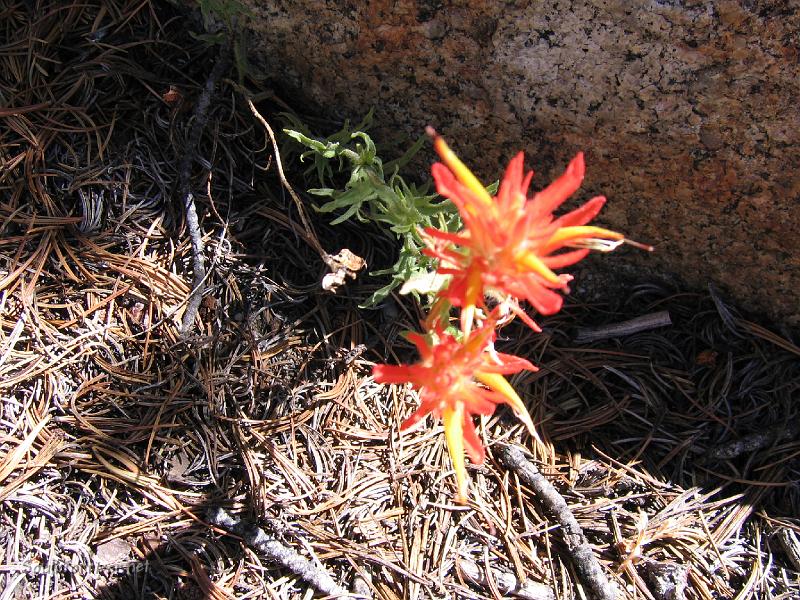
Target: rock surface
(687,110)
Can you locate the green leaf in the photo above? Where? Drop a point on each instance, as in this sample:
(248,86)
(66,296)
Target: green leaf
(428,282)
(210,38)
(322,191)
(351,155)
(327,149)
(398,163)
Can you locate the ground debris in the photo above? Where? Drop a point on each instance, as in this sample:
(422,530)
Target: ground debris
(754,441)
(275,551)
(587,566)
(118,433)
(668,580)
(505,583)
(644,323)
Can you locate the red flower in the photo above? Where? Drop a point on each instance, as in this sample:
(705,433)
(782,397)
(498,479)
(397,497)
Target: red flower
(458,379)
(510,243)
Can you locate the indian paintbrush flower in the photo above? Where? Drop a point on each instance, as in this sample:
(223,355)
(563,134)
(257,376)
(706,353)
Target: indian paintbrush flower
(509,249)
(457,379)
(511,244)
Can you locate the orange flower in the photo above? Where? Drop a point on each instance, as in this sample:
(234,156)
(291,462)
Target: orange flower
(510,243)
(458,379)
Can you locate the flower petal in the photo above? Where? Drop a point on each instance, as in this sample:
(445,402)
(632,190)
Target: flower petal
(514,186)
(582,214)
(423,411)
(543,300)
(510,364)
(421,342)
(453,238)
(449,186)
(566,235)
(462,173)
(500,385)
(551,197)
(517,310)
(565,259)
(454,434)
(393,373)
(472,442)
(535,264)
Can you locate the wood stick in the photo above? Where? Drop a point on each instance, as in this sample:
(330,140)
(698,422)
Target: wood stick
(643,323)
(752,442)
(269,547)
(187,197)
(586,564)
(311,236)
(507,583)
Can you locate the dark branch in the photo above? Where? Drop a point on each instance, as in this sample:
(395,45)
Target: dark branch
(270,548)
(644,323)
(185,187)
(586,564)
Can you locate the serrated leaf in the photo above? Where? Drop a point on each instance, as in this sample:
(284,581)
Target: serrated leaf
(326,149)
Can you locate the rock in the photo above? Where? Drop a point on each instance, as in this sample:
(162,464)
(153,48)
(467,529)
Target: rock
(114,552)
(686,110)
(668,580)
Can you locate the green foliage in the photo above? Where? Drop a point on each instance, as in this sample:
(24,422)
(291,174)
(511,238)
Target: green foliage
(221,24)
(226,11)
(374,191)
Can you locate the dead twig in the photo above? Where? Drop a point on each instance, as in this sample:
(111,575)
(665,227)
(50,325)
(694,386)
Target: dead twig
(752,442)
(586,564)
(187,197)
(258,540)
(507,583)
(343,264)
(301,209)
(585,335)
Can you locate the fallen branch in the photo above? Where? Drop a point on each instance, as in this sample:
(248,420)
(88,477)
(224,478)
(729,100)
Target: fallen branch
(507,583)
(586,564)
(187,197)
(752,442)
(643,323)
(269,547)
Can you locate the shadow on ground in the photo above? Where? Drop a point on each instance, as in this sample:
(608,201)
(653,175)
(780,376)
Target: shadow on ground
(122,434)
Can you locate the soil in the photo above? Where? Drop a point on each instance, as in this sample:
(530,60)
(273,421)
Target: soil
(245,451)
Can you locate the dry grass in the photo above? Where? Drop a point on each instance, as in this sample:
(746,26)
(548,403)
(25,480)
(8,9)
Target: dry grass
(677,446)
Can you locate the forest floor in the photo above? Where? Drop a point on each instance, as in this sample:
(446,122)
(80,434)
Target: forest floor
(157,442)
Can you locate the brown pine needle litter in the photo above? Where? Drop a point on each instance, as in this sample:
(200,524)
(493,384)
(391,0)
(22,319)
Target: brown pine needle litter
(122,441)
